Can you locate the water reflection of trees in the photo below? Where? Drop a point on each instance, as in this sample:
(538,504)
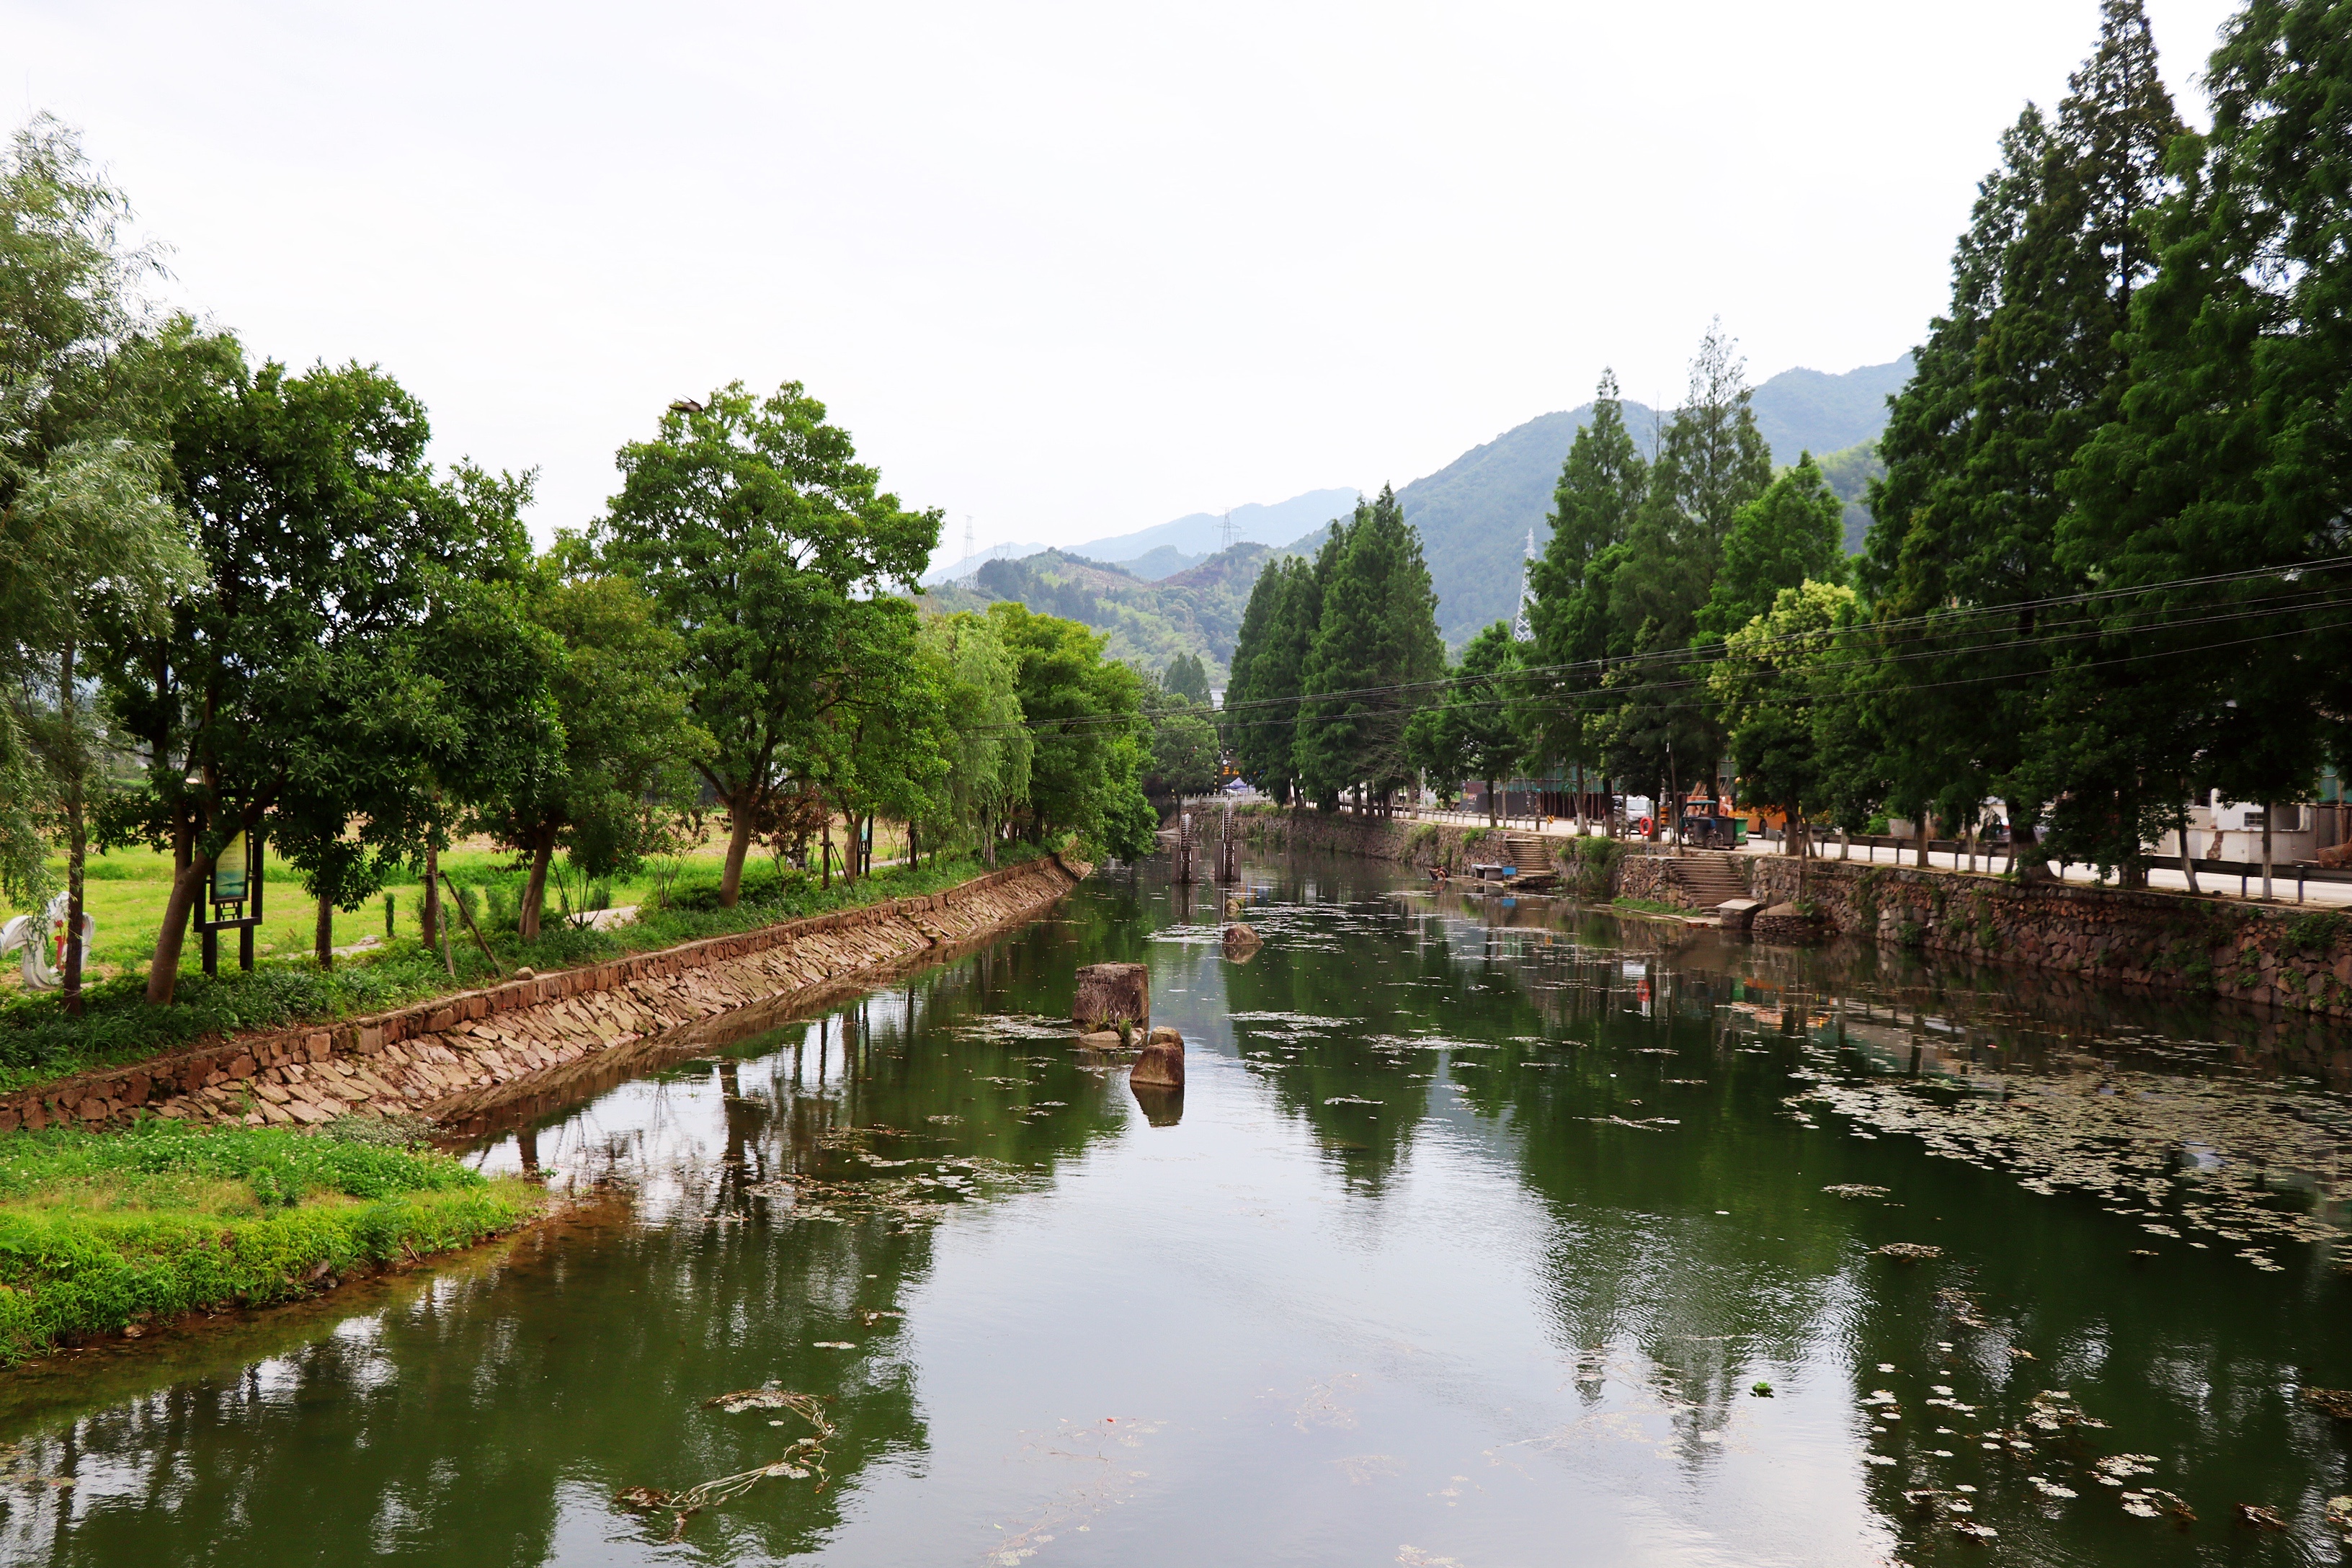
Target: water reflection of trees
(491,1415)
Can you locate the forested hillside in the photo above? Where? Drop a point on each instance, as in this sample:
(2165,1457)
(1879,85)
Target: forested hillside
(1195,611)
(1474,514)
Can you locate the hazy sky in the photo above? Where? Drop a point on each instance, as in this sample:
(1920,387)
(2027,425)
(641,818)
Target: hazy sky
(1072,270)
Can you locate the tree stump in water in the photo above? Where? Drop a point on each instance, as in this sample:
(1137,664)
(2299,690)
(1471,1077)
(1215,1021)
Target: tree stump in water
(1161,1065)
(1110,991)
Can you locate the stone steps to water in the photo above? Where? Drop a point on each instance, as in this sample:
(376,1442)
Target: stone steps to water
(1530,854)
(1706,880)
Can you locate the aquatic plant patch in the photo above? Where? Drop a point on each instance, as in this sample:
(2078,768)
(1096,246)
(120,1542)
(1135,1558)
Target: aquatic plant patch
(2181,1156)
(107,1233)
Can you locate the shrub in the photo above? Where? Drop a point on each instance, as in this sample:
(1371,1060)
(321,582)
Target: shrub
(2317,932)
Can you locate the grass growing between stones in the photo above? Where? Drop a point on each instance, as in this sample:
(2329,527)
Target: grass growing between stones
(39,1044)
(107,1232)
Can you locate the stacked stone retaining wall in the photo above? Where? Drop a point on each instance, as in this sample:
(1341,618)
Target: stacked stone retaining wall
(2273,956)
(452,1050)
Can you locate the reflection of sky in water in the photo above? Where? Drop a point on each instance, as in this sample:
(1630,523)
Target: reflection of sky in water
(1473,1235)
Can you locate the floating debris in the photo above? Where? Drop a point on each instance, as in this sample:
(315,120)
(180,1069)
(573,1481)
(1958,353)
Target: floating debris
(2178,1153)
(1855,1190)
(1907,1251)
(2335,1401)
(2255,1515)
(805,1457)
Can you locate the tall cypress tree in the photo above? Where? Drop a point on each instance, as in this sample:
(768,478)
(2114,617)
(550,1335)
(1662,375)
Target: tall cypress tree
(1600,486)
(1378,632)
(2232,448)
(2009,385)
(1712,462)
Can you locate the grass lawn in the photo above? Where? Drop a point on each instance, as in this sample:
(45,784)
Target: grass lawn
(38,1042)
(102,1232)
(125,891)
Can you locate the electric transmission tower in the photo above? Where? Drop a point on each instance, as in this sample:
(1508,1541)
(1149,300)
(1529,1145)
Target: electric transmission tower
(1522,628)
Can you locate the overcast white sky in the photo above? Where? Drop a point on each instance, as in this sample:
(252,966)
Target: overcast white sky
(1073,269)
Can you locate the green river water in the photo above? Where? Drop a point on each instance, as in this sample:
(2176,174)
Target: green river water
(1467,1244)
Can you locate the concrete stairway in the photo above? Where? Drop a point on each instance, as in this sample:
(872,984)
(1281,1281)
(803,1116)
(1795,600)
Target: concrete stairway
(1705,878)
(1530,855)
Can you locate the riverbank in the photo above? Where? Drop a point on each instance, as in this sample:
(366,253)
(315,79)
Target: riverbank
(40,1044)
(117,1233)
(455,1054)
(2268,955)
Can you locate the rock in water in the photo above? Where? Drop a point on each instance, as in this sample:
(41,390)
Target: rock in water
(1241,942)
(1232,908)
(1112,991)
(1162,1064)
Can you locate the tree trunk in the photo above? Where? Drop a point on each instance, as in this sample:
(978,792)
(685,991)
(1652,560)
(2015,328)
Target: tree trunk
(429,914)
(738,845)
(72,755)
(1492,806)
(2270,813)
(163,969)
(825,874)
(1919,832)
(2187,861)
(534,890)
(322,935)
(2024,846)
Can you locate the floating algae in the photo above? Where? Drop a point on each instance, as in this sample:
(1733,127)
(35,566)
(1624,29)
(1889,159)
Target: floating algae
(2180,1155)
(802,1458)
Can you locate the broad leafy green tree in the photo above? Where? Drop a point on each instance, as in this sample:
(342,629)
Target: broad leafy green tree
(764,544)
(1469,734)
(628,743)
(1778,686)
(1085,714)
(989,748)
(300,685)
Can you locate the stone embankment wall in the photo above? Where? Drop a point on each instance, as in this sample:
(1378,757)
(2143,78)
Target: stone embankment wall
(1428,845)
(453,1049)
(2273,955)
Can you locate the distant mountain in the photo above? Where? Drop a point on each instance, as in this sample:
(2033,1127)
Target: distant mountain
(1197,611)
(1201,533)
(1849,473)
(1806,411)
(951,570)
(1164,561)
(1475,513)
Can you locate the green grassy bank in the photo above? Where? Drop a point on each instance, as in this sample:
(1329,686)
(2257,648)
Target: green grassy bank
(39,1044)
(105,1232)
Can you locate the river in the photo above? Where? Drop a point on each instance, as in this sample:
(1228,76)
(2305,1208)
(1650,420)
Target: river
(1483,1234)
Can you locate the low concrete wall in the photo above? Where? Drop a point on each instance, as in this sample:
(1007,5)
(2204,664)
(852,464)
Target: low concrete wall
(2270,955)
(418,1057)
